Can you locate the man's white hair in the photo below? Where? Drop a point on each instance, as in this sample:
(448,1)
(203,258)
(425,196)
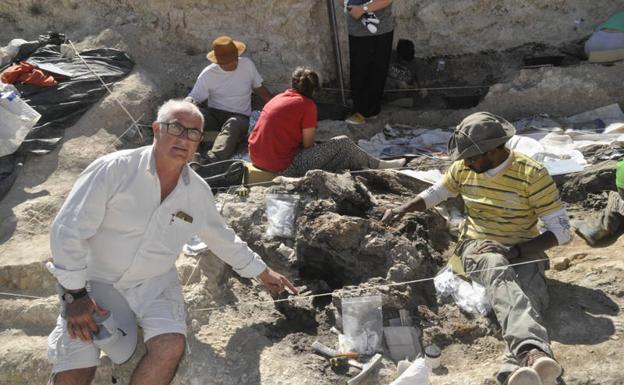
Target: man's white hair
(171,106)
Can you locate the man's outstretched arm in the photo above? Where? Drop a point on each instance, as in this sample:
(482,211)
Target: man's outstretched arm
(426,199)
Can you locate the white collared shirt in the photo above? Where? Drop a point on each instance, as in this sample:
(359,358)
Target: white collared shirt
(113,228)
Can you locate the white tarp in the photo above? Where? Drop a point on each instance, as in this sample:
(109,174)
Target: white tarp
(556,144)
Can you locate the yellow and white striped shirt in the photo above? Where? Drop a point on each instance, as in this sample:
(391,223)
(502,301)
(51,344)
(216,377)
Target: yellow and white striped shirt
(504,207)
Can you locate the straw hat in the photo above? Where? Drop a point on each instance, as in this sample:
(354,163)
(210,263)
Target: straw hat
(224,50)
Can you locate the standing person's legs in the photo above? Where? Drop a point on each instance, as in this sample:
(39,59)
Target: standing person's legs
(382,45)
(519,319)
(233,130)
(360,62)
(339,153)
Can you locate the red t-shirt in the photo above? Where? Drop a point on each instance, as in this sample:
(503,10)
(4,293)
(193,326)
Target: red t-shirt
(277,137)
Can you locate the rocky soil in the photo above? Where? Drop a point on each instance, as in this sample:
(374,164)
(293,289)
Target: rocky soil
(238,337)
(339,243)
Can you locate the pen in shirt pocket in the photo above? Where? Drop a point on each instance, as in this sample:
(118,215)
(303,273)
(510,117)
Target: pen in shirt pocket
(183,216)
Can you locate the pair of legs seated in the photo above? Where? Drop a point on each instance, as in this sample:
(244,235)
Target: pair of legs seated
(518,296)
(162,319)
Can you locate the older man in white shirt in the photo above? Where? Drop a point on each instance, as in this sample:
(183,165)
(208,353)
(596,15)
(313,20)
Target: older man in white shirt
(121,228)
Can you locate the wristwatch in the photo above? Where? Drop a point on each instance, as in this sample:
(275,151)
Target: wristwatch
(71,297)
(365,7)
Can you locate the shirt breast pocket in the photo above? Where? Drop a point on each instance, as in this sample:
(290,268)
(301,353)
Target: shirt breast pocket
(180,232)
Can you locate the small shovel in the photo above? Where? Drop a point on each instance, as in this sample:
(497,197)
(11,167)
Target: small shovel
(365,368)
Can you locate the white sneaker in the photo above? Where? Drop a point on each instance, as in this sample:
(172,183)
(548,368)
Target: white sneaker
(524,376)
(548,370)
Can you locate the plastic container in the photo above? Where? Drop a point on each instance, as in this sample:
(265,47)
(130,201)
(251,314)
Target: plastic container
(16,120)
(432,356)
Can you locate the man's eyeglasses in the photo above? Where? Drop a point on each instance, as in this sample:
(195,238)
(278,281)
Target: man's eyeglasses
(176,129)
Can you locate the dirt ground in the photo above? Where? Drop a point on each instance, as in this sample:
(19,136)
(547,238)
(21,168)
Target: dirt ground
(340,240)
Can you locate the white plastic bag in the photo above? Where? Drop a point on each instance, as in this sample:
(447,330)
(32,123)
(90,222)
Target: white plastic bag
(362,324)
(280,211)
(416,374)
(8,53)
(16,120)
(469,296)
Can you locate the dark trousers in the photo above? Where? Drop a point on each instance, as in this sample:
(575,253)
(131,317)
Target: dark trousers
(369,59)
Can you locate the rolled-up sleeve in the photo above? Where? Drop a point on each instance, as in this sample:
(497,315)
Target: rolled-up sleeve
(559,224)
(436,194)
(77,221)
(226,245)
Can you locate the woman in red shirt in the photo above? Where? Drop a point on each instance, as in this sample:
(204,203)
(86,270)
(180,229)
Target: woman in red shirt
(283,139)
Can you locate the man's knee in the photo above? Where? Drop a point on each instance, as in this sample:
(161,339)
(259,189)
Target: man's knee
(169,347)
(82,376)
(236,125)
(492,260)
(487,268)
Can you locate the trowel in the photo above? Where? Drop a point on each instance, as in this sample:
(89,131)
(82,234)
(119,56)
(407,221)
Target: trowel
(365,368)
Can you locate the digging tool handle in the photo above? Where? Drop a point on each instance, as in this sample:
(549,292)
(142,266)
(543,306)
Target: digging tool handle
(323,350)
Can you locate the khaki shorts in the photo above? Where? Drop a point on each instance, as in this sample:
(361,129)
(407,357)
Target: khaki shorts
(166,314)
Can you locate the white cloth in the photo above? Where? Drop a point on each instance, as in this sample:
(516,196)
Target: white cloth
(114,229)
(227,90)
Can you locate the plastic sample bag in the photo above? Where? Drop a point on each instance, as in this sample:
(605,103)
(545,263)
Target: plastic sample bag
(280,211)
(16,120)
(416,374)
(362,324)
(469,296)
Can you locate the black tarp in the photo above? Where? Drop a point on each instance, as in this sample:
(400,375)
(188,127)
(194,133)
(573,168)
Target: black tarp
(61,106)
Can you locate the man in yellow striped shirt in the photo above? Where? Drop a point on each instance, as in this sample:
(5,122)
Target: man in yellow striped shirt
(505,193)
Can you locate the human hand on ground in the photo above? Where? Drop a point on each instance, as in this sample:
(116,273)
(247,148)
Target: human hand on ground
(80,322)
(392,214)
(276,282)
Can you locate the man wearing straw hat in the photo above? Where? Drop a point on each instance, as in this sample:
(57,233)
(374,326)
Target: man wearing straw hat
(226,86)
(504,194)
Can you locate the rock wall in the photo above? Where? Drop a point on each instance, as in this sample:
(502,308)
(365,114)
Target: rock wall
(286,33)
